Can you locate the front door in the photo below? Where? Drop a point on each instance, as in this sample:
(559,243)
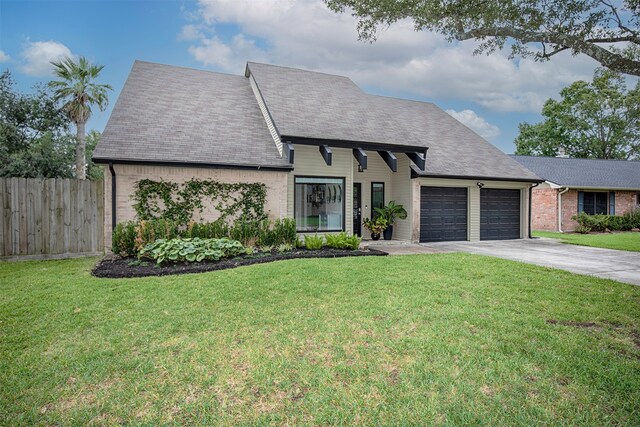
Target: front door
(357,209)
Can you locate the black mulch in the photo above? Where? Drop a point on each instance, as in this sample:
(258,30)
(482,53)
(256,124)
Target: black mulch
(113,266)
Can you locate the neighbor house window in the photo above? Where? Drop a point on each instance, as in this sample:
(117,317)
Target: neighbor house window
(319,203)
(596,202)
(377,197)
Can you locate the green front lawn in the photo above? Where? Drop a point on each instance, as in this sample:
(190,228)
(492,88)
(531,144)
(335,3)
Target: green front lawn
(628,241)
(453,339)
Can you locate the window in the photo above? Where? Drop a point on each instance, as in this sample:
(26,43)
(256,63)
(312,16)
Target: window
(377,197)
(593,203)
(319,204)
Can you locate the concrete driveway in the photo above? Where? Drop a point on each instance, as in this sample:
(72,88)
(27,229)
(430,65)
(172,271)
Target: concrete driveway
(622,266)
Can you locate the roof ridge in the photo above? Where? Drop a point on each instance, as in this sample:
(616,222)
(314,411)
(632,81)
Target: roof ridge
(303,70)
(185,68)
(575,158)
(401,99)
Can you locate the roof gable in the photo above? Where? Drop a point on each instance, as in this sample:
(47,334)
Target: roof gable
(173,114)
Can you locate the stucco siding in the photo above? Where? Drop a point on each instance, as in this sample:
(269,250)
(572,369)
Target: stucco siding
(128,175)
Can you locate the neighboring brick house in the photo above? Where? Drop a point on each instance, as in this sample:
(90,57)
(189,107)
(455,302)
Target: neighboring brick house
(580,185)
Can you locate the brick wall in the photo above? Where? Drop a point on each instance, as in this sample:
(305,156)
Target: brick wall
(626,201)
(127,175)
(544,213)
(569,209)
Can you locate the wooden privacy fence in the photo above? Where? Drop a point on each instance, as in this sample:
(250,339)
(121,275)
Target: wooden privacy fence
(50,218)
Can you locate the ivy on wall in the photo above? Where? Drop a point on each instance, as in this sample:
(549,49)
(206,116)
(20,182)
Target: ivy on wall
(179,202)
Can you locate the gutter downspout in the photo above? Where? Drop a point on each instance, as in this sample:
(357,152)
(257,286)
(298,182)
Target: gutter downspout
(530,199)
(113,196)
(560,208)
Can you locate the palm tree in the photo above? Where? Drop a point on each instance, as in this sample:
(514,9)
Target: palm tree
(79,92)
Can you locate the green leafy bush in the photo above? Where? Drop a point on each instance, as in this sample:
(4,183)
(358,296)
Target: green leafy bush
(280,232)
(123,239)
(603,223)
(313,243)
(246,232)
(207,230)
(285,247)
(582,229)
(633,218)
(152,230)
(343,241)
(192,250)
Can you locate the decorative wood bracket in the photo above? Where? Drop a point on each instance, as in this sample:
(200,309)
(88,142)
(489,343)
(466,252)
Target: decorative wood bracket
(418,159)
(390,160)
(289,150)
(361,157)
(326,154)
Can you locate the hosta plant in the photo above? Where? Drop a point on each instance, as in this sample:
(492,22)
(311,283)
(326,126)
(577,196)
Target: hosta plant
(192,250)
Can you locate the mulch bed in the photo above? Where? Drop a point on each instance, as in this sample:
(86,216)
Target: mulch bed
(113,266)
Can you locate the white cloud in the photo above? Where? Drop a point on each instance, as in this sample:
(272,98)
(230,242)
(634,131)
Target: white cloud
(479,125)
(37,57)
(305,34)
(4,57)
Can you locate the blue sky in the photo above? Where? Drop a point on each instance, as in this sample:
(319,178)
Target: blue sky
(491,94)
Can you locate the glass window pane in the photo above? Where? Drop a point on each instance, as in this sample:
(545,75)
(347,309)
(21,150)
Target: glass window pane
(596,203)
(589,203)
(319,204)
(601,203)
(377,197)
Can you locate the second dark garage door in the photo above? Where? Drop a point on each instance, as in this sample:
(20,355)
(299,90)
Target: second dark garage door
(499,214)
(443,214)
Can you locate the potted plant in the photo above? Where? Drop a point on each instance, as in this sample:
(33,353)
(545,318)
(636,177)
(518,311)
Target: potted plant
(391,213)
(375,225)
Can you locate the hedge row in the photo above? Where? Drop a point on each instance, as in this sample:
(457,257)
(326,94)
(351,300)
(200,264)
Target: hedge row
(602,223)
(129,238)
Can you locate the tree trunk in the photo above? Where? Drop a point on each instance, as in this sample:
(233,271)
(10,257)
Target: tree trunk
(81,148)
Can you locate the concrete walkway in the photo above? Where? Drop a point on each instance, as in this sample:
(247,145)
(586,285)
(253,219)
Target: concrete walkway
(622,266)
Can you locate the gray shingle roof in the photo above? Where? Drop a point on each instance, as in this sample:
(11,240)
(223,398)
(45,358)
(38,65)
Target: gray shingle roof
(324,106)
(585,173)
(173,114)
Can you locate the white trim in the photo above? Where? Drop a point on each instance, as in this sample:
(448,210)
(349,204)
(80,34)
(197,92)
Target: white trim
(560,193)
(265,113)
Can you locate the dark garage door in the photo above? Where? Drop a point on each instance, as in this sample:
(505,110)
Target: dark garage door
(499,214)
(443,214)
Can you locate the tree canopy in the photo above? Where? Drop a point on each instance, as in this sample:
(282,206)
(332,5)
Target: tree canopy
(605,30)
(598,119)
(35,137)
(79,92)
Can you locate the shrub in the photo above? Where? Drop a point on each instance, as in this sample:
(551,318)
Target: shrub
(582,229)
(602,223)
(192,250)
(343,241)
(207,230)
(152,230)
(123,239)
(282,232)
(633,217)
(313,243)
(285,247)
(246,232)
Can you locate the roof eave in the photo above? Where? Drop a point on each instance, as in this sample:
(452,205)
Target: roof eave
(415,174)
(275,168)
